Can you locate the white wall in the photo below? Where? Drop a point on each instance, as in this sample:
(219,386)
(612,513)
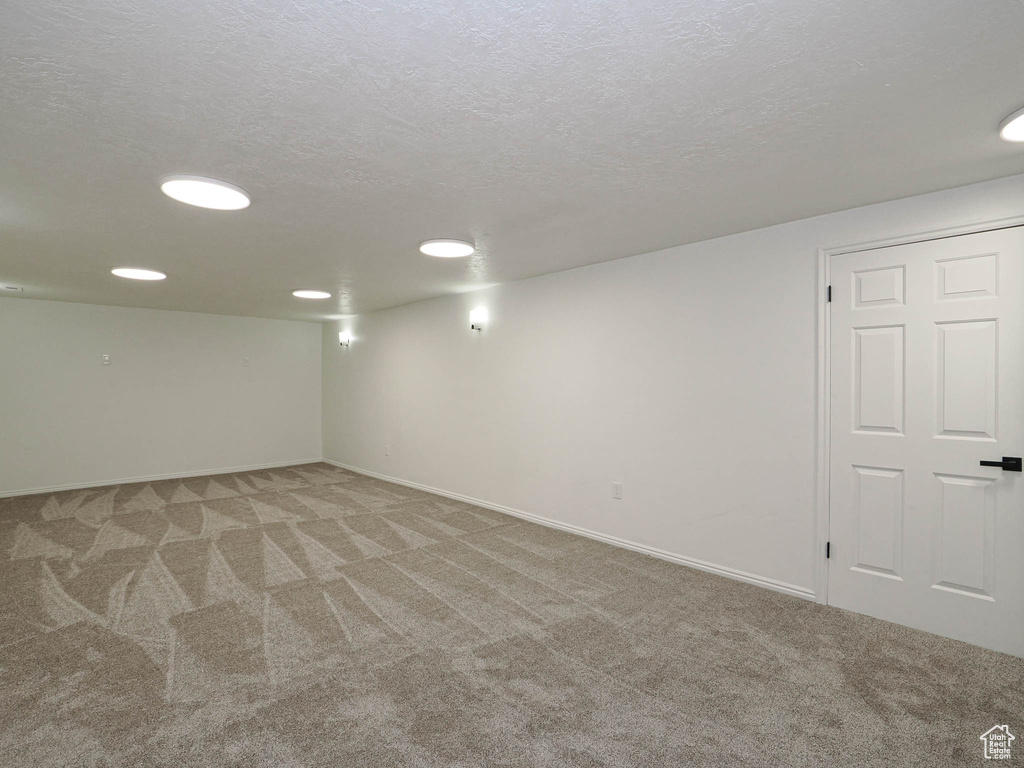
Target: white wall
(175,400)
(688,374)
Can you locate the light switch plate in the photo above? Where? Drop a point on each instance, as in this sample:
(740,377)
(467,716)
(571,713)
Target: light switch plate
(106,359)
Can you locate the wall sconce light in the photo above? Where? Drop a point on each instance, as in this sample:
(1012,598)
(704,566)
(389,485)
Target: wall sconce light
(477,318)
(344,338)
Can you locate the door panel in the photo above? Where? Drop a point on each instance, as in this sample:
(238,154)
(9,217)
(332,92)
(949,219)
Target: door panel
(878,505)
(927,350)
(878,403)
(964,525)
(966,395)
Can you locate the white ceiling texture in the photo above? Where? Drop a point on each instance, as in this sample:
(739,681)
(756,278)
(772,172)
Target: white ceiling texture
(553,134)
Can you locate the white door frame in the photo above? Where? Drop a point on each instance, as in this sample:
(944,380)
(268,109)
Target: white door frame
(824,383)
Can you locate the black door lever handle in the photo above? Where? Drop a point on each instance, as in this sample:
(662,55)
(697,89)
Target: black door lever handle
(1009,463)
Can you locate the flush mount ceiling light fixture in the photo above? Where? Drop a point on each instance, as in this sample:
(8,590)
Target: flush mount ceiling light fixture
(1012,128)
(138,274)
(303,294)
(205,193)
(447,249)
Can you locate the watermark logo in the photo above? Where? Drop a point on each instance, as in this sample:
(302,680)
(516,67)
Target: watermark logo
(997,742)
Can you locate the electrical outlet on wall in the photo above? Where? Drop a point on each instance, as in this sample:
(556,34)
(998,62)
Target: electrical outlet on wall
(387,450)
(245,361)
(105,359)
(616,489)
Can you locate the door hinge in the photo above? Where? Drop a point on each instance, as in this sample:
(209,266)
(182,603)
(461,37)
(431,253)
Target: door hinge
(828,549)
(828,294)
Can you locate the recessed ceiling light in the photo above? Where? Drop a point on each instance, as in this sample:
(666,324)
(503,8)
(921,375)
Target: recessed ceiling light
(311,294)
(138,274)
(205,193)
(447,249)
(1012,128)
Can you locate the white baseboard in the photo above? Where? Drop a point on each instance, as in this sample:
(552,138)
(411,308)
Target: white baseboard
(154,478)
(721,570)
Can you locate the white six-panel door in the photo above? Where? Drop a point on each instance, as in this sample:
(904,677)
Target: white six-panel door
(927,372)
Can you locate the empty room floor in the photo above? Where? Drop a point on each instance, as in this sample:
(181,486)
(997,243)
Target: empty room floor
(310,616)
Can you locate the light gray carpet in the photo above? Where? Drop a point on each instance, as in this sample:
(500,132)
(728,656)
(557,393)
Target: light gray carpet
(314,617)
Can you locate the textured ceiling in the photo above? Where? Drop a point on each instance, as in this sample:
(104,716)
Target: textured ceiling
(553,133)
